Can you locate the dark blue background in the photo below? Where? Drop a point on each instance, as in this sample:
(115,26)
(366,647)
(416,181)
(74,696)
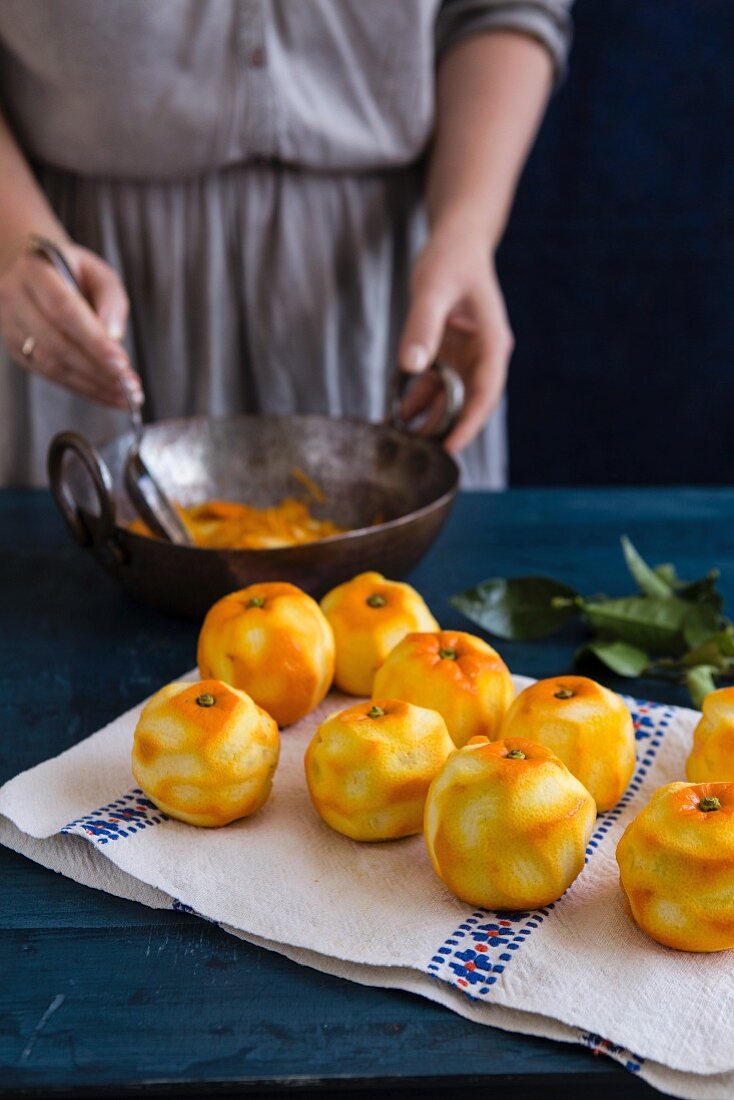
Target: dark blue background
(618,264)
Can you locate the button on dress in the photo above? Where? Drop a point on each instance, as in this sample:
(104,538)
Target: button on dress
(254,171)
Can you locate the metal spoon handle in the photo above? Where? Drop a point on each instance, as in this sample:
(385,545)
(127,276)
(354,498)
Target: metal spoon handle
(136,418)
(55,257)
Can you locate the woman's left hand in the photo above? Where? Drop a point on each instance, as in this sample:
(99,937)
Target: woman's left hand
(457,314)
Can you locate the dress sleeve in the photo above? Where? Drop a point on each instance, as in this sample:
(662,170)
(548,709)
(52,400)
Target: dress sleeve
(548,21)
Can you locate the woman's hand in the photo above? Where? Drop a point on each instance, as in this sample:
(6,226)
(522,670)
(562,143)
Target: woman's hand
(490,93)
(457,314)
(74,339)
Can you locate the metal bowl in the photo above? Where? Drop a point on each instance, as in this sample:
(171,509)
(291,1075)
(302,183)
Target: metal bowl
(369,473)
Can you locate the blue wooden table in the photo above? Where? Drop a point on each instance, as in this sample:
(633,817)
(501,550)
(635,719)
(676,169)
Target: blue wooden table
(104,997)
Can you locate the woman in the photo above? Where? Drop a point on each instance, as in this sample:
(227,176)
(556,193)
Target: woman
(247,177)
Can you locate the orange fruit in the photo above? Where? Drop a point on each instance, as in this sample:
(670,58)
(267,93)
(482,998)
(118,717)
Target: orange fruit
(458,675)
(507,825)
(368,768)
(676,866)
(712,755)
(369,616)
(205,753)
(583,723)
(272,641)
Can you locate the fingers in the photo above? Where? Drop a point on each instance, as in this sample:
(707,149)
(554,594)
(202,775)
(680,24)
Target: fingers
(103,289)
(420,395)
(426,399)
(424,326)
(485,382)
(459,315)
(56,358)
(64,309)
(435,418)
(72,344)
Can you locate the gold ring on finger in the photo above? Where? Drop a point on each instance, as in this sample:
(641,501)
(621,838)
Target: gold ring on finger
(28,347)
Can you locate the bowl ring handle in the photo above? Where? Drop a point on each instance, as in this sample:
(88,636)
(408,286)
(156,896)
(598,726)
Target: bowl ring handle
(454,391)
(88,530)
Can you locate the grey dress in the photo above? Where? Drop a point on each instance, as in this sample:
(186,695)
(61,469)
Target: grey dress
(252,168)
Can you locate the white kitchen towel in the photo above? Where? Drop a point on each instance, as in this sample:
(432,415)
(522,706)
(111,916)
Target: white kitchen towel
(578,970)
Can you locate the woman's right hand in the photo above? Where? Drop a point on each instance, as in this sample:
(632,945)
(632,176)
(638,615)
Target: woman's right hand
(75,339)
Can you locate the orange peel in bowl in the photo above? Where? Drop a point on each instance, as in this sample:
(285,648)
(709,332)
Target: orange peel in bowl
(272,641)
(676,864)
(507,825)
(586,725)
(712,757)
(231,525)
(369,767)
(457,674)
(205,753)
(369,616)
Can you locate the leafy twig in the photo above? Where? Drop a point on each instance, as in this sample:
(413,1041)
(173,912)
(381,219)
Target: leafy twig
(670,628)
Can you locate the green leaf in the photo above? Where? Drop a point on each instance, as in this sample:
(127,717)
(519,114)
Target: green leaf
(709,653)
(700,682)
(620,657)
(649,582)
(667,572)
(701,623)
(725,639)
(703,591)
(717,651)
(519,608)
(651,624)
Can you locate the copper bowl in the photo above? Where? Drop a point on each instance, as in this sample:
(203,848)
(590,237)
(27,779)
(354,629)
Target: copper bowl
(367,471)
